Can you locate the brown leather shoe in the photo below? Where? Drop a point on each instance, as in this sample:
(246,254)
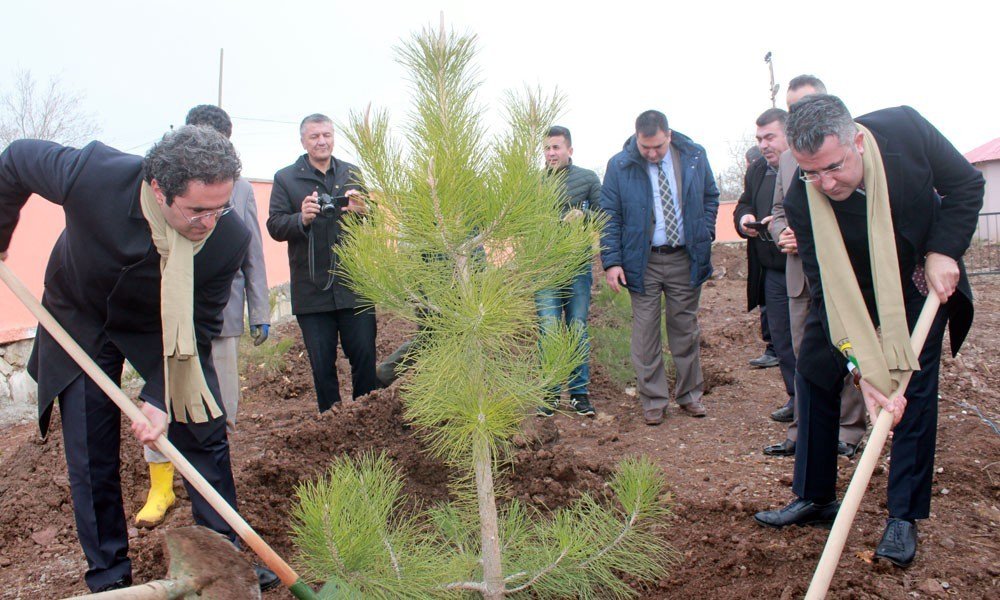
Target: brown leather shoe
(695,409)
(653,416)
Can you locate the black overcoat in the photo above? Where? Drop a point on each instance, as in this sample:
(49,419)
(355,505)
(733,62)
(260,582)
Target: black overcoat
(757,200)
(102,282)
(934,195)
(284,222)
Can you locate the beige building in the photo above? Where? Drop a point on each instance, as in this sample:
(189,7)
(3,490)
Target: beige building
(986,158)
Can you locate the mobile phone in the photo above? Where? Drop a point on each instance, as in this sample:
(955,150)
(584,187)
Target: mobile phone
(342,201)
(756,225)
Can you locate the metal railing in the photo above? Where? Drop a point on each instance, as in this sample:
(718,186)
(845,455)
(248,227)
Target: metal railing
(983,255)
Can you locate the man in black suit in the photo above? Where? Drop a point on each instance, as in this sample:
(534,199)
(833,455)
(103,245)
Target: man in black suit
(934,197)
(765,262)
(103,285)
(323,303)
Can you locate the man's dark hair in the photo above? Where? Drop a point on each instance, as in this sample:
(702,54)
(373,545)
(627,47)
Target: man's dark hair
(771,115)
(753,153)
(559,130)
(313,118)
(815,117)
(211,116)
(804,80)
(650,123)
(190,153)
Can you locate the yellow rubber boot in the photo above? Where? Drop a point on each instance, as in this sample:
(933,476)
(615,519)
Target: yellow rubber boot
(161,495)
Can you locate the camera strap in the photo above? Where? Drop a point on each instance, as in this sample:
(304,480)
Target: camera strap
(312,264)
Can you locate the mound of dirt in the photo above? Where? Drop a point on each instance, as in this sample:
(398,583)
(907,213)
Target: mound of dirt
(716,473)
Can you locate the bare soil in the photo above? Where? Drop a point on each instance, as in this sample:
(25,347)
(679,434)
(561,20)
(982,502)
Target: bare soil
(717,475)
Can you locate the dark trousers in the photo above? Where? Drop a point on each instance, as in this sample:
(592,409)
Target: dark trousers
(911,466)
(779,325)
(92,433)
(765,331)
(356,330)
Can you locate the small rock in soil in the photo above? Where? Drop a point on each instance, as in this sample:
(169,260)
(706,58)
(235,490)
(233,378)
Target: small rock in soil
(932,587)
(45,536)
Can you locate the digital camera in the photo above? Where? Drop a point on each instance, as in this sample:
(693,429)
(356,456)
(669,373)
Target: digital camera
(329,205)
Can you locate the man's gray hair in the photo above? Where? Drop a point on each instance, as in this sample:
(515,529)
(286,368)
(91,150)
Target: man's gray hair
(813,118)
(190,153)
(313,118)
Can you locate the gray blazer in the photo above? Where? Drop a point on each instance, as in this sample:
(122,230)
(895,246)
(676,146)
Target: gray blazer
(251,280)
(794,277)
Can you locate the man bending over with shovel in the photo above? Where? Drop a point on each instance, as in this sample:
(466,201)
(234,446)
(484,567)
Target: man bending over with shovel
(141,272)
(883,210)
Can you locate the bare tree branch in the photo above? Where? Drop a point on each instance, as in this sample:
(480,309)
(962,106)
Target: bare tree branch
(54,113)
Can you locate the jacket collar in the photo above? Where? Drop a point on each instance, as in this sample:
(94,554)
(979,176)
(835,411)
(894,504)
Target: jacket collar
(135,208)
(679,142)
(568,166)
(304,168)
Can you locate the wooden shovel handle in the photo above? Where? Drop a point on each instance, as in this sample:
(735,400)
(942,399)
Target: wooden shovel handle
(239,525)
(866,465)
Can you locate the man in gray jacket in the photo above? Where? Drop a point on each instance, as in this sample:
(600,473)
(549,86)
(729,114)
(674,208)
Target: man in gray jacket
(572,303)
(249,286)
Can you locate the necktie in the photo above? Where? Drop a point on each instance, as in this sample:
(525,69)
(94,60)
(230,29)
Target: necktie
(670,223)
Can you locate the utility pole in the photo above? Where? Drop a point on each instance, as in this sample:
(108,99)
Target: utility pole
(770,66)
(220,77)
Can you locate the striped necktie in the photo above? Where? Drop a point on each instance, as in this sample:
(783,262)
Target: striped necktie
(670,223)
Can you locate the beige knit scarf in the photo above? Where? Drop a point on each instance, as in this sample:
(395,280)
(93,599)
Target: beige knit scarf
(882,364)
(185,388)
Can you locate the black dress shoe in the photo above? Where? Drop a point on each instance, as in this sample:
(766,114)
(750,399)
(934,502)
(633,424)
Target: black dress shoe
(800,512)
(266,578)
(785,448)
(764,361)
(899,543)
(845,449)
(123,582)
(783,415)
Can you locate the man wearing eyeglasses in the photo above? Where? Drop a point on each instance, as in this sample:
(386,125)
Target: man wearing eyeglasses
(249,288)
(147,249)
(852,412)
(883,209)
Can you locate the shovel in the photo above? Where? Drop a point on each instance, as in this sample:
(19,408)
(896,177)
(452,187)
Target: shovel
(203,564)
(866,465)
(295,585)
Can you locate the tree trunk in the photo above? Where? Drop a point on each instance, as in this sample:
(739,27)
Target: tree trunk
(492,567)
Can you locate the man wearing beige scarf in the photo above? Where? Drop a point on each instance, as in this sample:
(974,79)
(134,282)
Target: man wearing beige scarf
(142,272)
(883,210)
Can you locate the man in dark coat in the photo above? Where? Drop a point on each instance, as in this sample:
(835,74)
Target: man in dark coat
(323,304)
(102,284)
(765,262)
(934,197)
(571,304)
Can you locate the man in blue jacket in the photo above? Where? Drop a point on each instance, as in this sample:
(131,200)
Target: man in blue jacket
(661,199)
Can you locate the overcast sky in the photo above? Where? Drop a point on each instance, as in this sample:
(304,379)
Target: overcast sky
(142,65)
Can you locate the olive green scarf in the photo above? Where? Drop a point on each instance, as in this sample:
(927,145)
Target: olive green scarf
(186,391)
(882,363)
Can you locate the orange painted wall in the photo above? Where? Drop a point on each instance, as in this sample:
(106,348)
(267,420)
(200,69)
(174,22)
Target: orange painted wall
(40,225)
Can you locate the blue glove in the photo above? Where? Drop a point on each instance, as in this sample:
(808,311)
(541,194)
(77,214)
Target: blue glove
(259,333)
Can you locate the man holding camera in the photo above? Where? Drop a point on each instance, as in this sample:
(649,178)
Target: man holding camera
(765,262)
(308,204)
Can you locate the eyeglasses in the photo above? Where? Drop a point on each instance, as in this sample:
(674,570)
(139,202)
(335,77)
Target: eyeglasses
(200,217)
(815,176)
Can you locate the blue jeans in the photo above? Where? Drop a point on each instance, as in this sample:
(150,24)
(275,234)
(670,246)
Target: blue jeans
(572,304)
